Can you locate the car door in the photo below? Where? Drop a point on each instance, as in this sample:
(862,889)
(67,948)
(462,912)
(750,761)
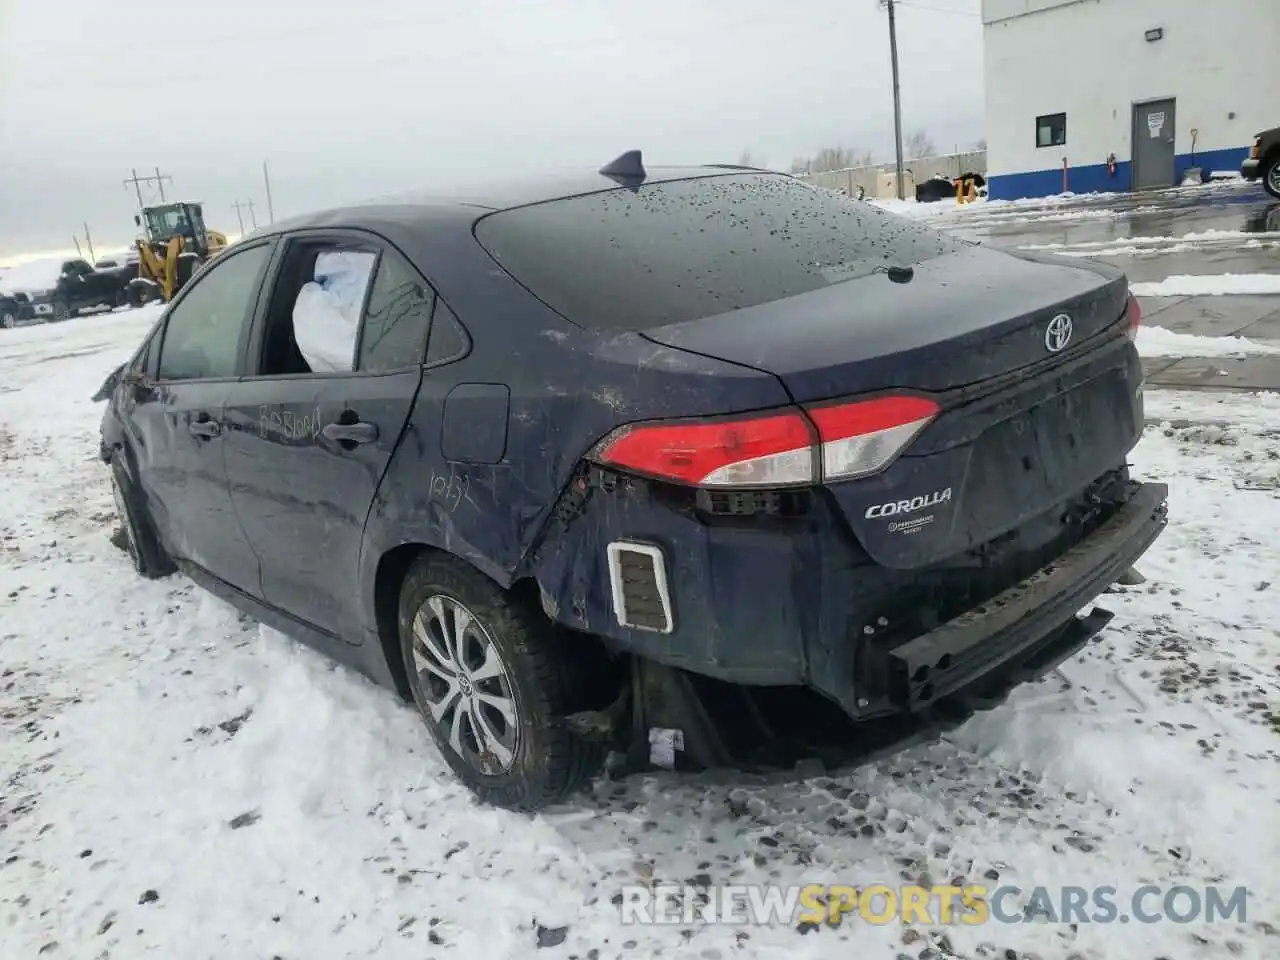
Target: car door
(336,360)
(177,420)
(81,290)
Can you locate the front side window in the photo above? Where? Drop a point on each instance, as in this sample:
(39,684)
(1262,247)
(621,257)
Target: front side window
(168,221)
(203,330)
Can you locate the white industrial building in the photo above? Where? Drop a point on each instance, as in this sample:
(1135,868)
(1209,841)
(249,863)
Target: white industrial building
(1125,94)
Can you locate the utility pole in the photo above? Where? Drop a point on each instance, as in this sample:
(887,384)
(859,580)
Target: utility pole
(897,98)
(138,181)
(246,205)
(266,177)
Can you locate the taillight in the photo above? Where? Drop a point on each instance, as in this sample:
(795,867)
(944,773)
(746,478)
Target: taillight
(766,451)
(862,438)
(1134,314)
(853,440)
(1256,150)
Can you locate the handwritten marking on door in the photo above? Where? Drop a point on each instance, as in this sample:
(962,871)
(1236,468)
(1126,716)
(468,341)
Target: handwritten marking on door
(287,424)
(451,488)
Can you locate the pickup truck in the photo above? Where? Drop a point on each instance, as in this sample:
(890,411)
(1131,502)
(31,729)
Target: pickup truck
(59,290)
(1263,162)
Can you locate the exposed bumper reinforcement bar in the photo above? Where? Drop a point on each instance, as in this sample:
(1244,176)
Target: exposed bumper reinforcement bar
(1035,619)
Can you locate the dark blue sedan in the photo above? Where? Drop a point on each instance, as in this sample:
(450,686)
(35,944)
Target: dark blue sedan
(704,464)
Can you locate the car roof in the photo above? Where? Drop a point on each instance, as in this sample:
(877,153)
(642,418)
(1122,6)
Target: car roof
(475,200)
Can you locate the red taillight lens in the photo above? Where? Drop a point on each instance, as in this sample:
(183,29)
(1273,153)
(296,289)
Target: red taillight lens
(1134,312)
(855,440)
(757,452)
(859,439)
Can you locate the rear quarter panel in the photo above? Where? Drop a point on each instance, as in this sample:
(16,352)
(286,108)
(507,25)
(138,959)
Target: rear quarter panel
(568,389)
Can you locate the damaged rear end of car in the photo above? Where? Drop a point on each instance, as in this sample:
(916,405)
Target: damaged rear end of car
(918,527)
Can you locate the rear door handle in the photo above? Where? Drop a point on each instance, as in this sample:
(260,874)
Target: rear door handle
(358,432)
(205,427)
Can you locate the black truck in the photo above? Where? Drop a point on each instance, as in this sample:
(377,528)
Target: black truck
(77,286)
(1263,162)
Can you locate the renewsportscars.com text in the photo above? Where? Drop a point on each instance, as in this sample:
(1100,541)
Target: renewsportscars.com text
(970,905)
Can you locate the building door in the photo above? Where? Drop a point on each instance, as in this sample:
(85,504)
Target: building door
(1153,144)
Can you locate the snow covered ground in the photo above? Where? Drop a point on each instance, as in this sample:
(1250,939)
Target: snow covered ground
(1158,342)
(176,781)
(1221,285)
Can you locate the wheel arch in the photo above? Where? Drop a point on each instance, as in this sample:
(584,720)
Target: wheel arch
(392,568)
(389,575)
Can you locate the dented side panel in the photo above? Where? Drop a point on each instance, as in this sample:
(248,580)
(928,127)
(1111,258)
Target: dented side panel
(566,389)
(744,598)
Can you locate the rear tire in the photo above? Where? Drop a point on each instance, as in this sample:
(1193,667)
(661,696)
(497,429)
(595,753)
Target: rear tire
(8,320)
(1271,177)
(492,694)
(137,534)
(60,311)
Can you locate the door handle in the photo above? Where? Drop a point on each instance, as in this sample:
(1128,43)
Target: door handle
(205,427)
(358,432)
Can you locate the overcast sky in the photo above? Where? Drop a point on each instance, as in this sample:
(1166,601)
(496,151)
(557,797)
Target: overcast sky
(355,99)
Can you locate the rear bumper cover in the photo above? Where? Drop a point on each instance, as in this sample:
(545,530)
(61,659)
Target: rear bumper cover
(1035,618)
(1251,169)
(790,606)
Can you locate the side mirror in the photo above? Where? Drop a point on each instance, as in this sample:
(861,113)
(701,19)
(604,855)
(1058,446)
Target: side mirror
(139,387)
(137,220)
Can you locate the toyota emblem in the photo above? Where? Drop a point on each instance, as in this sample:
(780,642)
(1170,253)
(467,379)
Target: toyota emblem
(1058,334)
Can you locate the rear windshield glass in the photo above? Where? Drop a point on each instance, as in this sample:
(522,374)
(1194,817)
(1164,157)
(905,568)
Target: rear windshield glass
(669,252)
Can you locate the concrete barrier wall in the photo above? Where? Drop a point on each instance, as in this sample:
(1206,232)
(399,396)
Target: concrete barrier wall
(948,165)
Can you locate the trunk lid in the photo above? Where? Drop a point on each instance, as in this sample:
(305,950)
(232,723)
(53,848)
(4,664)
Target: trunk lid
(1024,426)
(966,317)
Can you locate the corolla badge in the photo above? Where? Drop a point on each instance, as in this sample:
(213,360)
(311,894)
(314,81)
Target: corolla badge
(1058,333)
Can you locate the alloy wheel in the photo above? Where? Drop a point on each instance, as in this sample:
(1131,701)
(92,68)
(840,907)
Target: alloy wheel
(8,321)
(1273,178)
(465,685)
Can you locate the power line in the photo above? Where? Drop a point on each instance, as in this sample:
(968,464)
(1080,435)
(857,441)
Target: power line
(240,206)
(137,182)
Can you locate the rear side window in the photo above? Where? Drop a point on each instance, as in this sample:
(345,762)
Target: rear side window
(397,320)
(670,252)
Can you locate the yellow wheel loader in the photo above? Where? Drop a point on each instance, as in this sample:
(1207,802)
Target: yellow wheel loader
(174,244)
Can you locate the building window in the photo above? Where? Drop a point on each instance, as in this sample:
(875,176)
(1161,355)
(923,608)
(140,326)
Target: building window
(1051,130)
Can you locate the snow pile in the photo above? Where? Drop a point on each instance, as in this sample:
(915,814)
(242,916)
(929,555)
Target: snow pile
(1159,342)
(32,277)
(326,315)
(1187,285)
(1163,244)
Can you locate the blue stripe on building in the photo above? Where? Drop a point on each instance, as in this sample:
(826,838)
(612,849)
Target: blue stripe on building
(1095,178)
